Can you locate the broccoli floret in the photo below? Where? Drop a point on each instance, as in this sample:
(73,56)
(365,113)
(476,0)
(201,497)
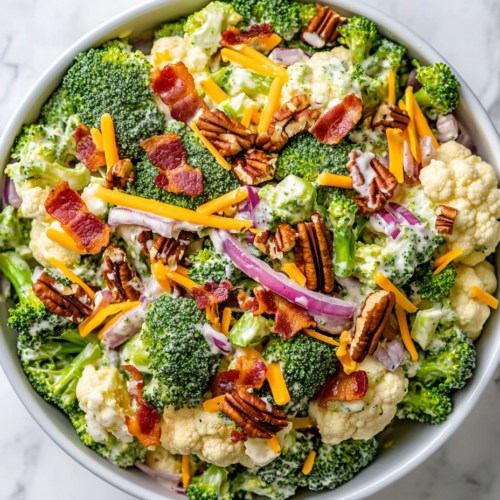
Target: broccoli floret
(306,157)
(424,404)
(306,364)
(134,353)
(246,483)
(439,92)
(306,12)
(14,231)
(335,465)
(181,361)
(115,80)
(89,270)
(361,36)
(30,317)
(216,180)
(341,218)
(235,81)
(170,28)
(58,110)
(430,286)
(213,484)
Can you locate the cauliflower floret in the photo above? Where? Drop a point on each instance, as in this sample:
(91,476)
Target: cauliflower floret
(461,180)
(94,204)
(161,460)
(385,390)
(168,50)
(103,397)
(321,58)
(44,248)
(34,198)
(193,431)
(472,313)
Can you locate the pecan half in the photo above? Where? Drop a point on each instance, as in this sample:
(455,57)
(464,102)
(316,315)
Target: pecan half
(255,418)
(118,176)
(374,183)
(145,239)
(314,254)
(227,134)
(322,29)
(388,115)
(121,278)
(170,250)
(70,302)
(278,244)
(294,117)
(445,219)
(371,323)
(254,167)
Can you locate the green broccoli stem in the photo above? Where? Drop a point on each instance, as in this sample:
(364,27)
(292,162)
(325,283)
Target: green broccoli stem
(345,248)
(17,270)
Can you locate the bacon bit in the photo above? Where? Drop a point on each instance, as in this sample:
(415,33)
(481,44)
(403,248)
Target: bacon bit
(224,382)
(289,318)
(66,206)
(86,149)
(336,123)
(166,151)
(252,373)
(211,293)
(238,436)
(234,36)
(185,179)
(342,387)
(175,87)
(145,425)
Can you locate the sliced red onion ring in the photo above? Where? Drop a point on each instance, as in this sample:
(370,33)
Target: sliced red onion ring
(278,282)
(411,167)
(384,160)
(102,299)
(331,324)
(388,222)
(127,325)
(10,196)
(447,128)
(218,342)
(403,215)
(168,228)
(287,57)
(175,478)
(412,80)
(246,209)
(428,151)
(391,355)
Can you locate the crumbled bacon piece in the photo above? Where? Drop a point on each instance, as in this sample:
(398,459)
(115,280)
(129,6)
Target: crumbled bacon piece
(166,151)
(211,293)
(288,318)
(86,150)
(66,206)
(234,36)
(342,387)
(185,179)
(338,121)
(224,382)
(252,373)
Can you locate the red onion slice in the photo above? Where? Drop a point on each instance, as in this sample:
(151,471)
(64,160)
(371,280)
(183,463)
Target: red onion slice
(388,223)
(10,196)
(175,478)
(102,299)
(447,128)
(278,282)
(391,355)
(127,325)
(287,57)
(168,228)
(217,341)
(412,80)
(428,151)
(384,160)
(331,324)
(403,215)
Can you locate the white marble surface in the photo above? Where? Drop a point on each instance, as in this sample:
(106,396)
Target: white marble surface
(34,32)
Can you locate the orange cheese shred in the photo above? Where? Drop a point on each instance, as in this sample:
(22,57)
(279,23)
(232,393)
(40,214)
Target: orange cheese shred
(395,156)
(186,472)
(275,445)
(309,463)
(247,116)
(319,336)
(212,313)
(256,117)
(445,259)
(71,276)
(341,181)
(344,355)
(401,299)
(97,138)
(226,320)
(412,132)
(301,422)
(295,274)
(91,324)
(405,332)
(179,278)
(213,91)
(158,270)
(64,239)
(112,321)
(392,87)
(423,128)
(275,68)
(277,383)
(212,405)
(247,62)
(220,159)
(273,104)
(109,140)
(485,297)
(223,202)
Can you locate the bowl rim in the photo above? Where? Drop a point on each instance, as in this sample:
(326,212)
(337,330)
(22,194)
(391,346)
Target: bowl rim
(47,83)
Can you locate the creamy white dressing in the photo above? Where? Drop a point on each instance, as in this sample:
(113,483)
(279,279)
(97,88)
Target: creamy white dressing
(363,181)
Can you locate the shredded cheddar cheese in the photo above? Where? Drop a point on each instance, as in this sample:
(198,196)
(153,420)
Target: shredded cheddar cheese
(248,63)
(212,405)
(97,138)
(344,355)
(179,278)
(255,231)
(71,276)
(109,140)
(401,299)
(273,104)
(213,91)
(301,422)
(226,320)
(260,58)
(405,332)
(112,321)
(91,324)
(485,297)
(334,180)
(274,443)
(295,274)
(212,313)
(277,383)
(412,132)
(186,472)
(220,159)
(256,117)
(309,463)
(395,156)
(247,116)
(422,126)
(223,202)
(319,336)
(159,272)
(445,259)
(64,239)
(392,87)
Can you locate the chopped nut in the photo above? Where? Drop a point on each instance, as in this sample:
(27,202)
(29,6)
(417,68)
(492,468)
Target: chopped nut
(118,176)
(70,302)
(256,419)
(145,239)
(371,323)
(254,167)
(374,193)
(276,245)
(227,134)
(121,278)
(322,29)
(314,254)
(170,250)
(388,115)
(445,219)
(294,117)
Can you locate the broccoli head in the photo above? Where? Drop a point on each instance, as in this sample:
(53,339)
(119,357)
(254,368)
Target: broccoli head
(170,28)
(89,270)
(14,231)
(213,484)
(430,286)
(424,404)
(439,92)
(181,361)
(58,110)
(115,80)
(216,180)
(133,353)
(361,36)
(306,157)
(337,464)
(306,364)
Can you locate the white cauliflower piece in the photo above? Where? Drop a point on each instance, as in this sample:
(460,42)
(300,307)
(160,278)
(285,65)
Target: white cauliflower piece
(321,58)
(385,390)
(94,204)
(161,460)
(43,248)
(193,431)
(472,313)
(34,198)
(464,181)
(103,397)
(167,50)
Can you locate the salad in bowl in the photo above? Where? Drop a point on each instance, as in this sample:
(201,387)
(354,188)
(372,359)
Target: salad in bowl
(241,252)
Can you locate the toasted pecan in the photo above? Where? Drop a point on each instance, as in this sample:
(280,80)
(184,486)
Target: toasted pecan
(119,174)
(322,29)
(170,250)
(389,115)
(445,219)
(278,244)
(254,167)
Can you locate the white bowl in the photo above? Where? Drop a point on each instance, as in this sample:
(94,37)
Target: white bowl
(413,442)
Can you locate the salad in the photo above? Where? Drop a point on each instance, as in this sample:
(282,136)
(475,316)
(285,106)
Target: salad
(241,251)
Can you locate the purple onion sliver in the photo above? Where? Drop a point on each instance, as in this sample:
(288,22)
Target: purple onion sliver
(388,222)
(403,215)
(10,195)
(128,325)
(287,57)
(391,355)
(384,160)
(447,128)
(428,151)
(413,82)
(331,324)
(410,166)
(217,341)
(175,478)
(465,139)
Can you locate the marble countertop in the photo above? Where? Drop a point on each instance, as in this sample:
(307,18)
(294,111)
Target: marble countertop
(34,32)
